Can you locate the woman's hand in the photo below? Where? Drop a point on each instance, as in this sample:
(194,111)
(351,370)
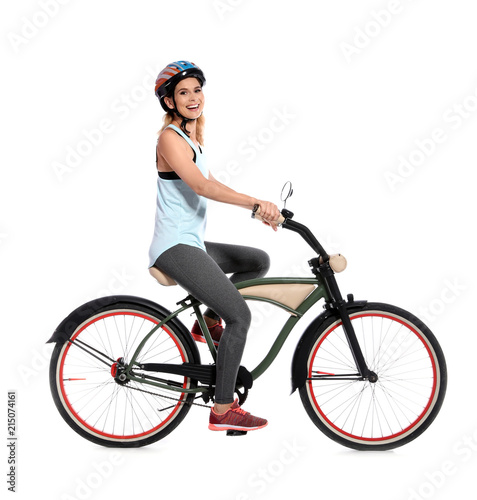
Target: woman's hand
(269,213)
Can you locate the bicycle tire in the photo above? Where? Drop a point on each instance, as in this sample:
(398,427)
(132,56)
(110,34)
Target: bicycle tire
(401,405)
(87,395)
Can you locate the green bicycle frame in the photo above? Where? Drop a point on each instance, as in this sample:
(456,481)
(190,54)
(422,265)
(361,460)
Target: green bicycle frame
(317,294)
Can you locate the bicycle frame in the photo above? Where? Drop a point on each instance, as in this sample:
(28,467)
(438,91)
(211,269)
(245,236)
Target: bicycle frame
(320,291)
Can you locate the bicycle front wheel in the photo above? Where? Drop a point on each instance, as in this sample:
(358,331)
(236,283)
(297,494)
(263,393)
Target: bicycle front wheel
(407,395)
(94,402)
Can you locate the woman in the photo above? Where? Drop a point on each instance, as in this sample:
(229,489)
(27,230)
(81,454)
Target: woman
(178,247)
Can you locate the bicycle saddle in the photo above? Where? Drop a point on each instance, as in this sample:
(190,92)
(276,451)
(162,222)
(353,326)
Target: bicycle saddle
(161,277)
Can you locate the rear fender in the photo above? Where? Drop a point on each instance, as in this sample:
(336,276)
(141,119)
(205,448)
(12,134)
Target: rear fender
(68,326)
(298,370)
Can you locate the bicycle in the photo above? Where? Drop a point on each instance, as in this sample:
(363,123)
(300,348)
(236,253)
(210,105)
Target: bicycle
(371,376)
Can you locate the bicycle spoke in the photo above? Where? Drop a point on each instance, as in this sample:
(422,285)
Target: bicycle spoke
(107,402)
(134,341)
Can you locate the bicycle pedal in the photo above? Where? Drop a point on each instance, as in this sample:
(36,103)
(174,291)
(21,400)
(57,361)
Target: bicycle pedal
(236,433)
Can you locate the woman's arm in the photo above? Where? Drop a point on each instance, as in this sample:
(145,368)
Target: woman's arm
(176,153)
(229,192)
(265,206)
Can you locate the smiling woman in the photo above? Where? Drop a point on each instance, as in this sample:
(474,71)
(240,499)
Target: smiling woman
(179,249)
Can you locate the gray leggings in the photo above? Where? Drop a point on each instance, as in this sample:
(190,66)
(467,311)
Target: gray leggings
(203,276)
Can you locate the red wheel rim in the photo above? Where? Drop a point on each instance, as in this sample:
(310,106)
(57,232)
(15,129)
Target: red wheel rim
(81,420)
(415,423)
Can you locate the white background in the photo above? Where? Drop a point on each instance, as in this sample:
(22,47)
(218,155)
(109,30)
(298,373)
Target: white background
(358,87)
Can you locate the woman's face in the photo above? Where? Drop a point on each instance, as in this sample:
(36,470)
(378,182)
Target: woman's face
(189,98)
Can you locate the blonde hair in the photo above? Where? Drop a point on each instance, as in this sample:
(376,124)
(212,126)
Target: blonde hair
(169,117)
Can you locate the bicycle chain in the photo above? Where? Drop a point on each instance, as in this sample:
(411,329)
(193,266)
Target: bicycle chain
(241,397)
(170,397)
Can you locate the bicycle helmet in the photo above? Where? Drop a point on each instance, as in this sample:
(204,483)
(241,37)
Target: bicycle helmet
(167,80)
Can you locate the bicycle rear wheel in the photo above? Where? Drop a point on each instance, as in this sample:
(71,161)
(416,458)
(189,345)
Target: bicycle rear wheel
(407,396)
(96,404)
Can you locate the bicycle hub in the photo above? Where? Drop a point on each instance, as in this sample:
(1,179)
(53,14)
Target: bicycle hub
(117,371)
(372,377)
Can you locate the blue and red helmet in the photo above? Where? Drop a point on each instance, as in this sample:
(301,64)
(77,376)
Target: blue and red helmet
(171,75)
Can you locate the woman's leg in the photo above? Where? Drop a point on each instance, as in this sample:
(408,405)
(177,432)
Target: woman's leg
(244,262)
(195,271)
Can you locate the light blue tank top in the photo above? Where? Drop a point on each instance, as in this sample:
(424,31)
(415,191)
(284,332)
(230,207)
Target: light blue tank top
(181,214)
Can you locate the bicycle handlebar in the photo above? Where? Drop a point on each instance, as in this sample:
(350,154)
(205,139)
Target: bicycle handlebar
(302,230)
(308,236)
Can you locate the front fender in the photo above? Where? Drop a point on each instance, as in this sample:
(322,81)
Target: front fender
(298,369)
(67,327)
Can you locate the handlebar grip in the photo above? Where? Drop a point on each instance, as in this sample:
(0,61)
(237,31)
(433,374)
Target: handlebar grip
(256,215)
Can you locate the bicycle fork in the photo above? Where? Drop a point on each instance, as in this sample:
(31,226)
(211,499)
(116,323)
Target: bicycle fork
(353,343)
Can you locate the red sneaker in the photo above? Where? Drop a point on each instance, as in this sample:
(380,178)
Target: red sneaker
(235,419)
(215,330)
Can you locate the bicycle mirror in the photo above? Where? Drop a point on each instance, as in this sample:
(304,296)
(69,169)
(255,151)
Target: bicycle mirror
(287,191)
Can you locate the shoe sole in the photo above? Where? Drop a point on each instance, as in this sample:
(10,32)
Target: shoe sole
(225,427)
(199,338)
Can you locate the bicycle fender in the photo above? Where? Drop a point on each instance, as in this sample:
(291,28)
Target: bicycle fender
(298,368)
(67,327)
